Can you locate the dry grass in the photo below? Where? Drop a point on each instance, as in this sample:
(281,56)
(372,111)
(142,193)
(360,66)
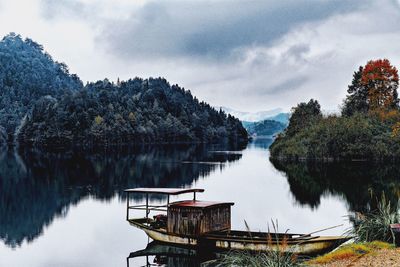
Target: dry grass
(380,245)
(350,252)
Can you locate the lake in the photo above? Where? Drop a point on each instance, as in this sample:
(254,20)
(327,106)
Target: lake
(68,209)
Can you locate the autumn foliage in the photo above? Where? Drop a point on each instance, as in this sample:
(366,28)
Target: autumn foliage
(381,79)
(396,129)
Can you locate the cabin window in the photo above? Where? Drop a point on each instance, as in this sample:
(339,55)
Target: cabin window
(185,214)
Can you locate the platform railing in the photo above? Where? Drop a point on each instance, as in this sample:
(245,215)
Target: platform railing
(147,207)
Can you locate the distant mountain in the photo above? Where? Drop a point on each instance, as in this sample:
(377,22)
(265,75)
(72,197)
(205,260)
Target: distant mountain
(262,123)
(264,128)
(247,125)
(252,116)
(281,117)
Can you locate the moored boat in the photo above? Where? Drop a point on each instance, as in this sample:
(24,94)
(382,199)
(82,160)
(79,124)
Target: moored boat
(195,223)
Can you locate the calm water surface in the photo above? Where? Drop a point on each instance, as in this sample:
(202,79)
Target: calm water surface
(69,210)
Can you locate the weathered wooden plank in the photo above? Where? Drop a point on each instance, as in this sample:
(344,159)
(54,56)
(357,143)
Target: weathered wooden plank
(197,221)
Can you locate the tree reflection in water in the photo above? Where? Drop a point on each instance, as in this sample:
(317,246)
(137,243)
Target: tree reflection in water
(360,184)
(36,187)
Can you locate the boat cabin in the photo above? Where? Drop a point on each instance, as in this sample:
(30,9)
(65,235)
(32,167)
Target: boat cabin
(195,217)
(189,217)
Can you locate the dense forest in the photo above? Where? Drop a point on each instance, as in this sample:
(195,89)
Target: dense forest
(26,74)
(135,111)
(264,128)
(42,104)
(367,129)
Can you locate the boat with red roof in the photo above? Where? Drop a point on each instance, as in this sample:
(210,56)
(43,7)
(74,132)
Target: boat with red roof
(196,223)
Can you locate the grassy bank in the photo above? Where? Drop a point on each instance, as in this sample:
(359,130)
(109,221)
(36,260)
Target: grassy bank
(375,253)
(374,240)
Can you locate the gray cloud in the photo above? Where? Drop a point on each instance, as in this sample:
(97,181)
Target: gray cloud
(213,29)
(286,86)
(248,55)
(52,9)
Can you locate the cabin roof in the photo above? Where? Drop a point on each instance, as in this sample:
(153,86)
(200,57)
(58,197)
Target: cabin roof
(198,204)
(165,191)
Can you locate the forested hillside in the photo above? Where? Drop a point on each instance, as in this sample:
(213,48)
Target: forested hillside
(42,104)
(135,111)
(26,74)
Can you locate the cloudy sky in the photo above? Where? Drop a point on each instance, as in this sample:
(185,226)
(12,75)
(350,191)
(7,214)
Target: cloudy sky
(246,55)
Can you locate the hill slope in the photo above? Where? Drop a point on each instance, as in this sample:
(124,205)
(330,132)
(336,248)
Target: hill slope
(26,74)
(42,104)
(135,111)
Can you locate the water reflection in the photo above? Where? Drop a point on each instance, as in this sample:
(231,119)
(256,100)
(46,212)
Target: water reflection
(157,254)
(261,142)
(360,184)
(36,187)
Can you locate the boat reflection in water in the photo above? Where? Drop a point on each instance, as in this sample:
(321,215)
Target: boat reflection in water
(157,254)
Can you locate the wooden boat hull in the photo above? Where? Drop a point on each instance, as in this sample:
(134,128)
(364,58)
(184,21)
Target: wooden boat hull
(307,245)
(311,247)
(161,235)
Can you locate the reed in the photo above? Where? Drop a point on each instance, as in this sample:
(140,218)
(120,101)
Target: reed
(375,225)
(278,256)
(267,259)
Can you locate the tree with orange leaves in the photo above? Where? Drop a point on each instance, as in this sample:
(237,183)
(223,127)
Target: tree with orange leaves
(381,79)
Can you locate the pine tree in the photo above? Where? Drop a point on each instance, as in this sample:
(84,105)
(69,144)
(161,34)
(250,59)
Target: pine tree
(357,98)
